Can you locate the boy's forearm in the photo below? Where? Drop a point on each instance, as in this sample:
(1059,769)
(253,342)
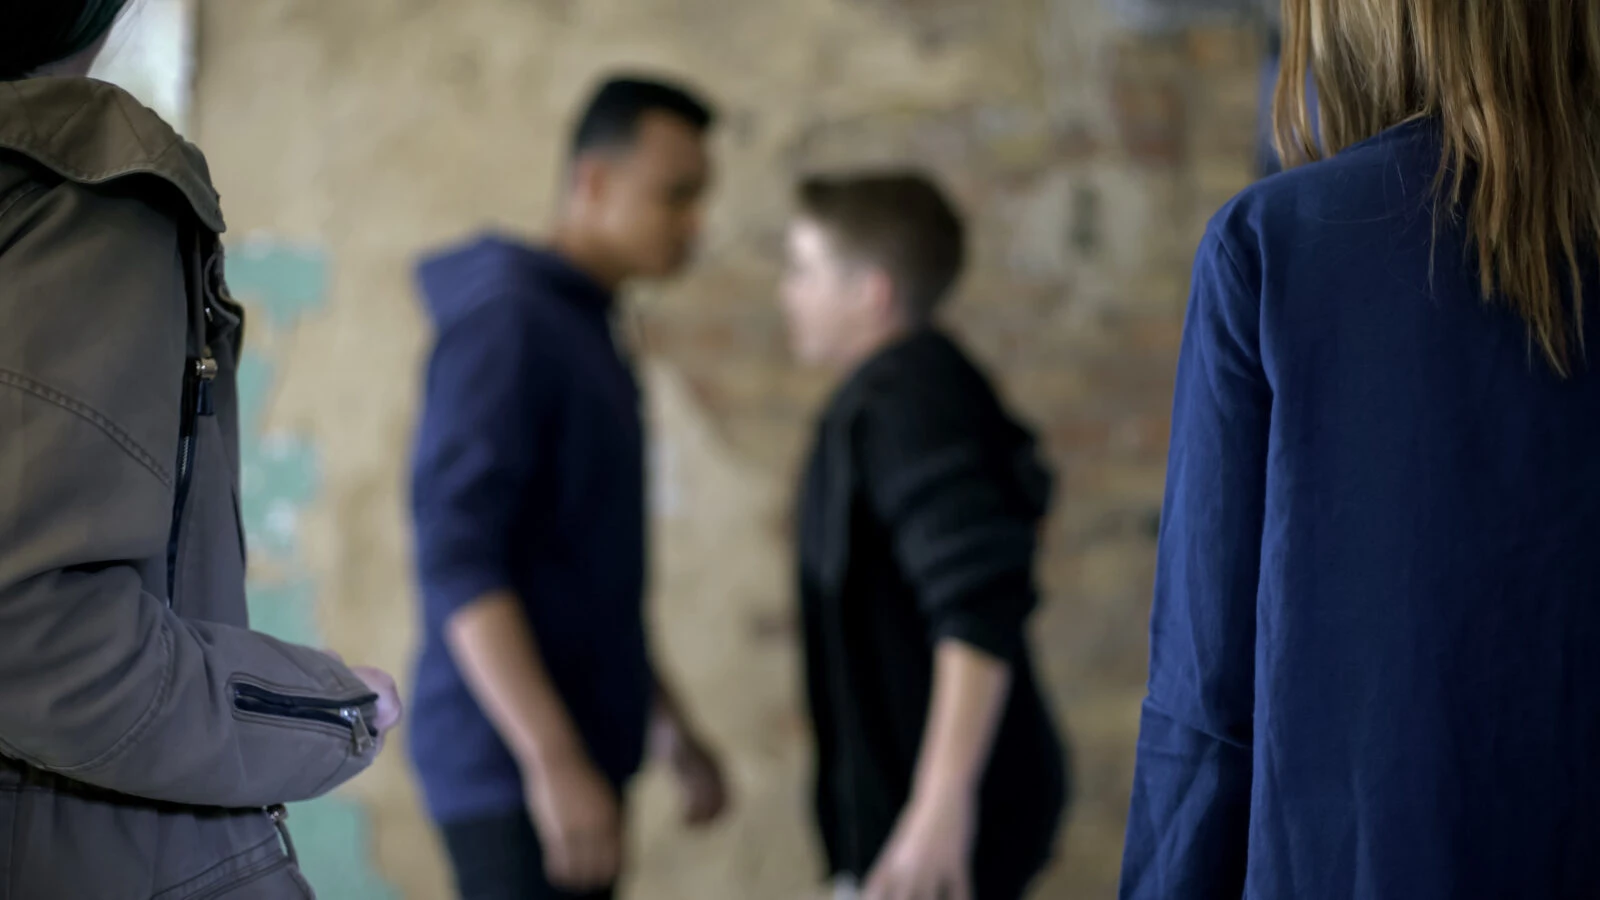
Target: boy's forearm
(970,689)
(493,645)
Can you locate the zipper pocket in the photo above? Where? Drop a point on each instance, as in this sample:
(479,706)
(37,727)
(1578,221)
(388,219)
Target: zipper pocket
(196,403)
(349,714)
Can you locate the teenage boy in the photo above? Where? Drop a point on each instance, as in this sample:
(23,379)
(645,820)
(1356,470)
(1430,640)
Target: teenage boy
(535,689)
(940,772)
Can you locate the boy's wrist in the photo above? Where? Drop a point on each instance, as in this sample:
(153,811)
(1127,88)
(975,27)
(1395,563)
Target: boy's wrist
(943,795)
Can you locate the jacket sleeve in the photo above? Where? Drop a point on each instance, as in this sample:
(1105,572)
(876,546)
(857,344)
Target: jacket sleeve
(99,680)
(1190,818)
(961,533)
(477,450)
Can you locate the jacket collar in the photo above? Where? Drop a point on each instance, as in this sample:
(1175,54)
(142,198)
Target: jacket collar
(92,132)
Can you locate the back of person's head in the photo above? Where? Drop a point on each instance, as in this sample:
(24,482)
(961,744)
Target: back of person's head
(613,115)
(1515,88)
(898,221)
(37,33)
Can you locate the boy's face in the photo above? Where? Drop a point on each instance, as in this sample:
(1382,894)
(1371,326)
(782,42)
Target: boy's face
(648,201)
(828,300)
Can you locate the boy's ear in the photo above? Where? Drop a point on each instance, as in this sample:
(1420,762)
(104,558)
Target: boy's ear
(589,175)
(881,290)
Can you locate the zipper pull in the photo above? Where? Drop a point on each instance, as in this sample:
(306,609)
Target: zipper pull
(360,734)
(205,370)
(280,819)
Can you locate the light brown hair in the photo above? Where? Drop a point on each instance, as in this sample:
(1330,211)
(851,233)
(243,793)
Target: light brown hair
(1515,88)
(898,221)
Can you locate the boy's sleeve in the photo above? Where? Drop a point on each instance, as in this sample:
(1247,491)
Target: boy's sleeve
(964,541)
(484,408)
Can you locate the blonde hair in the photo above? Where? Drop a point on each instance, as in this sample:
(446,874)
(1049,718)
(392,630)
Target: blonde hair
(1515,88)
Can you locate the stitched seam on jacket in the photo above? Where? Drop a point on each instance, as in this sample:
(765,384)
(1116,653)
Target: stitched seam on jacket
(80,175)
(15,200)
(146,719)
(84,177)
(67,122)
(92,416)
(210,214)
(333,780)
(245,868)
(132,129)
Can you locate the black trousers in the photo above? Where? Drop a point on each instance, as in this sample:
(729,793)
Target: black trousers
(500,859)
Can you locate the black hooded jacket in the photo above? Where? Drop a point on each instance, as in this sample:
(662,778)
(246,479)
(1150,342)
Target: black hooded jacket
(919,517)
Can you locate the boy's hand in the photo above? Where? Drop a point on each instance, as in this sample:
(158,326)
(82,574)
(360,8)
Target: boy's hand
(705,791)
(929,856)
(579,821)
(390,709)
(696,767)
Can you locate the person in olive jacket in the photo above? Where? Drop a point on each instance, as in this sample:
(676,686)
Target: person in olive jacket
(148,737)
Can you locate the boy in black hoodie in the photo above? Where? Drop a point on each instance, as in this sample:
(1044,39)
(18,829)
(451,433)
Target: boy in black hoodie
(940,772)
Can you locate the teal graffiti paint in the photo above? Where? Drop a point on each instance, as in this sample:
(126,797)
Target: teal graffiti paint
(291,279)
(277,473)
(280,284)
(285,609)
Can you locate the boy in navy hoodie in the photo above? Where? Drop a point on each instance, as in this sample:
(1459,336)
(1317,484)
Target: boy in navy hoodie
(535,693)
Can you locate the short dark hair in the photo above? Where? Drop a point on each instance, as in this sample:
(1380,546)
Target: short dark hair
(37,33)
(611,118)
(898,220)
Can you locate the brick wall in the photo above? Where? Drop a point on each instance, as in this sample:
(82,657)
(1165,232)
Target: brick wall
(1088,159)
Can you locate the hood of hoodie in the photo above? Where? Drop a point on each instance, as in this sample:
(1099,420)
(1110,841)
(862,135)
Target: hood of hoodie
(456,280)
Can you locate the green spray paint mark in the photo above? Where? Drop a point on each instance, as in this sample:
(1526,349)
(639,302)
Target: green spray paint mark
(277,473)
(332,839)
(287,280)
(278,479)
(285,610)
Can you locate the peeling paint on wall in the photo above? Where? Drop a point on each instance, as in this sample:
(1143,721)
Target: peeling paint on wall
(280,284)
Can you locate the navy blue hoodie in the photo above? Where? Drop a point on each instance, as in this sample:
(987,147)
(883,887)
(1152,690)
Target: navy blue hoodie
(528,476)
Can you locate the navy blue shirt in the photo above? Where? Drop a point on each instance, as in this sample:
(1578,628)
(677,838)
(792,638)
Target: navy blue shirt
(529,477)
(1375,648)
